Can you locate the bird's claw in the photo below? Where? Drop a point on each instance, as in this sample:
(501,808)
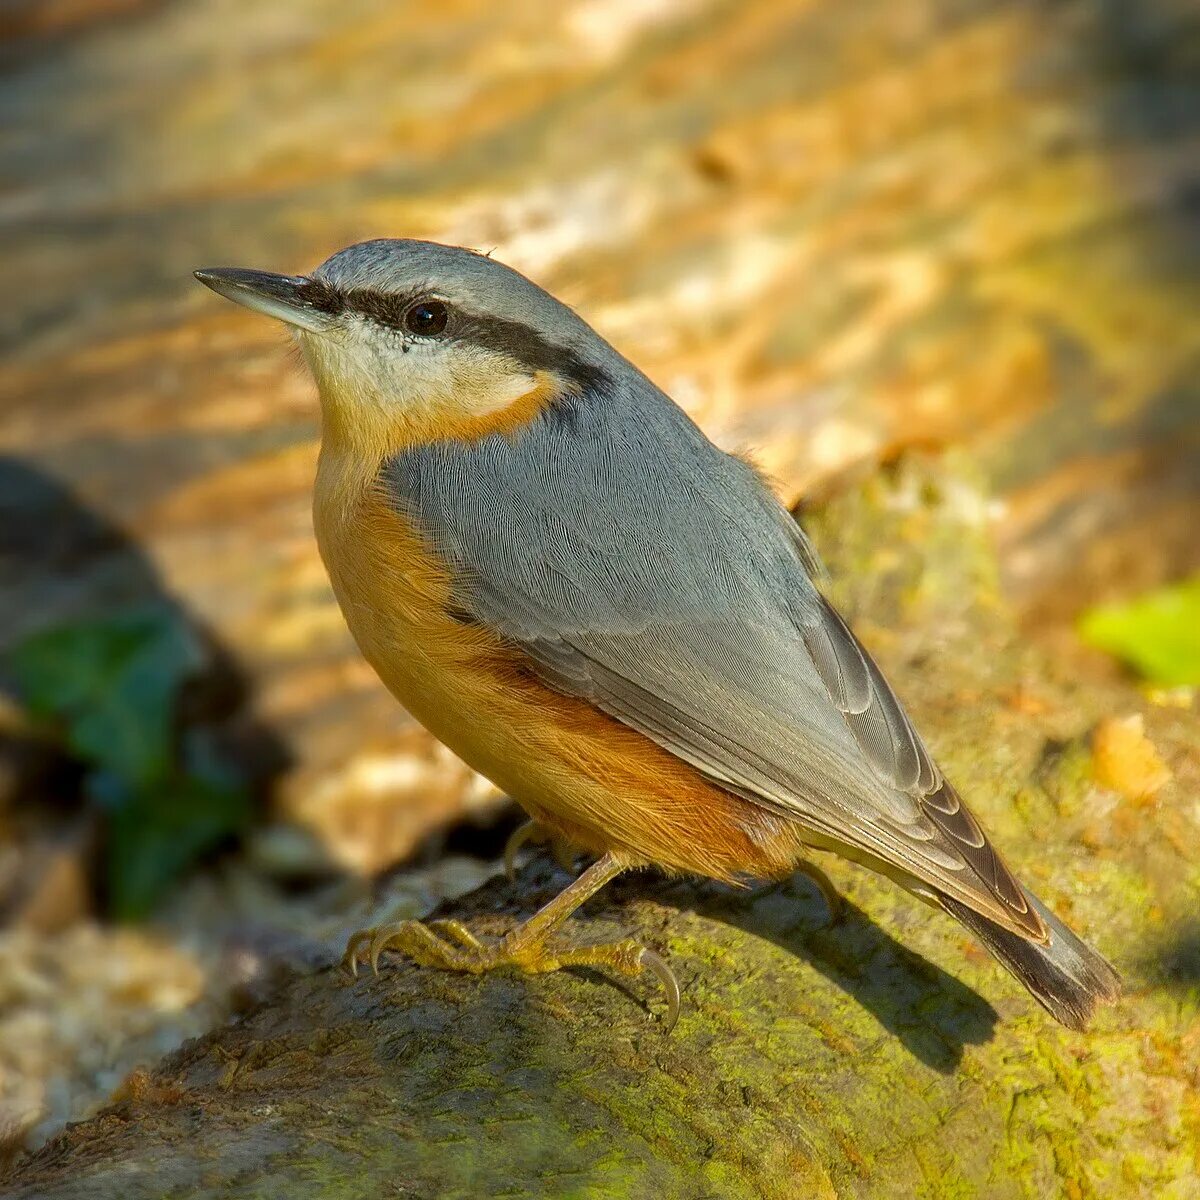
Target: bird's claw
(457,931)
(658,966)
(451,946)
(420,942)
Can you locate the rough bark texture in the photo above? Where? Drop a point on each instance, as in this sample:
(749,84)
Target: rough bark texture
(878,1055)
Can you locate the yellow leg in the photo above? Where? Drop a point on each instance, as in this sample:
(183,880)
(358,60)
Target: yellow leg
(531,831)
(457,931)
(451,946)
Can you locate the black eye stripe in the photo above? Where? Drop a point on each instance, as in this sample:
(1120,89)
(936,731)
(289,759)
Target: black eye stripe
(528,347)
(322,296)
(518,341)
(382,307)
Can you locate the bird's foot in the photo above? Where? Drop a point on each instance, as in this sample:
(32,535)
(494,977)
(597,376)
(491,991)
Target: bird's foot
(451,946)
(531,832)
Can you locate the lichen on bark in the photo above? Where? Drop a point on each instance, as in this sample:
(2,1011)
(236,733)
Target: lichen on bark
(876,1054)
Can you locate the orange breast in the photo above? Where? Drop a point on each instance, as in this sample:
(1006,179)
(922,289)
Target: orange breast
(596,782)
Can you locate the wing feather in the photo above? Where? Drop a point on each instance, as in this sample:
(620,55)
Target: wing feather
(675,595)
(887,736)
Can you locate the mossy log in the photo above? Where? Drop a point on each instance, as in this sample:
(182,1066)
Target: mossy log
(812,1059)
(876,1053)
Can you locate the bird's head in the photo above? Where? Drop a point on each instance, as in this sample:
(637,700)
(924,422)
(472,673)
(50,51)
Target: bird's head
(413,342)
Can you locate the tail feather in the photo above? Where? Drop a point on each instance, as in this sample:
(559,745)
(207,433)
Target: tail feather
(1065,975)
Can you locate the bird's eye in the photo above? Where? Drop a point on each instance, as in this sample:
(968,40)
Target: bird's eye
(427,318)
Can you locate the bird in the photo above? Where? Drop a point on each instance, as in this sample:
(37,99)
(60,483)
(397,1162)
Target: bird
(618,623)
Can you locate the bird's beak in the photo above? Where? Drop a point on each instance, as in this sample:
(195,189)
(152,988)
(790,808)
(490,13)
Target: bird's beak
(288,298)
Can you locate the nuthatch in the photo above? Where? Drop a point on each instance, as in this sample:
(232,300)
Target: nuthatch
(556,572)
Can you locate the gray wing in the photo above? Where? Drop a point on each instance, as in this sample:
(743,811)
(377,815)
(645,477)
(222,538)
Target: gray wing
(673,593)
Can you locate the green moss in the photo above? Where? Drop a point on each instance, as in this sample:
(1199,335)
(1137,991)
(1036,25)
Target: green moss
(911,544)
(877,1056)
(1067,775)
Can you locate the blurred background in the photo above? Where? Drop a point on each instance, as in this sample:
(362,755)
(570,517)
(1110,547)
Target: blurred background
(840,232)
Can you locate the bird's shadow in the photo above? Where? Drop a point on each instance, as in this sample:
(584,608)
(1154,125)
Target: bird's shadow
(934,1015)
(1173,965)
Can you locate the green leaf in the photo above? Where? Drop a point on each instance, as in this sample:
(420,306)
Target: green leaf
(155,835)
(112,683)
(1157,634)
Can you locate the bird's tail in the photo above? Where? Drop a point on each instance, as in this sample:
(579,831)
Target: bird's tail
(1065,975)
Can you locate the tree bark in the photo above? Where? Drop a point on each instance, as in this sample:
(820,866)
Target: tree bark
(811,1059)
(876,1053)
